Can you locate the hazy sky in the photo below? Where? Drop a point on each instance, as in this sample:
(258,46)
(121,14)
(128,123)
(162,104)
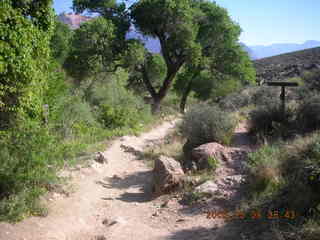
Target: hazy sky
(264,22)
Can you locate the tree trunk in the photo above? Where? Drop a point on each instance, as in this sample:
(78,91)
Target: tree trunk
(184,97)
(155,106)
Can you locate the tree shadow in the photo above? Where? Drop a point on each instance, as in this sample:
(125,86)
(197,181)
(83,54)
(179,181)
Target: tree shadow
(241,139)
(141,180)
(240,229)
(139,155)
(199,233)
(140,197)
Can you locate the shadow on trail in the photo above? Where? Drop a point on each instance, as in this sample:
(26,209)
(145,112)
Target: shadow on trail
(199,233)
(139,155)
(135,197)
(231,230)
(139,182)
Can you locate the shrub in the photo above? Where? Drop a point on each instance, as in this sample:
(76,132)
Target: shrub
(312,80)
(235,101)
(308,116)
(203,124)
(264,169)
(213,163)
(68,113)
(29,157)
(286,177)
(267,121)
(121,116)
(264,94)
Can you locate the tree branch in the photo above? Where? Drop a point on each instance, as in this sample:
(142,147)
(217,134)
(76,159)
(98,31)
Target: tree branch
(147,82)
(164,51)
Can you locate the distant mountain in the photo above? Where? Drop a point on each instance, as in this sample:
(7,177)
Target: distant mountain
(153,44)
(73,20)
(261,51)
(252,55)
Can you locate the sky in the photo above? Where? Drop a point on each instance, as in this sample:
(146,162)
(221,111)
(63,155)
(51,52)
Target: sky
(264,22)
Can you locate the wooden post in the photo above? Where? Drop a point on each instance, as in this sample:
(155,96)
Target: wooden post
(283,94)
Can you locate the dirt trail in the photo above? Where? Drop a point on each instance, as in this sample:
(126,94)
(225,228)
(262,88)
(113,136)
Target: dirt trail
(113,201)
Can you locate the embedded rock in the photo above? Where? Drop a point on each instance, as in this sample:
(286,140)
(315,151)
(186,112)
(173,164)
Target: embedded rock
(167,175)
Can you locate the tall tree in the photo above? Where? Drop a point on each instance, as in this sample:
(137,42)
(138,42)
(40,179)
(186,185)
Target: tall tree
(100,45)
(197,34)
(60,41)
(25,30)
(215,78)
(223,61)
(173,23)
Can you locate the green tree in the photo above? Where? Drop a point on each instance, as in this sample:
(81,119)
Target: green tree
(91,49)
(194,34)
(112,11)
(100,45)
(25,30)
(60,41)
(155,69)
(214,82)
(173,23)
(224,65)
(95,54)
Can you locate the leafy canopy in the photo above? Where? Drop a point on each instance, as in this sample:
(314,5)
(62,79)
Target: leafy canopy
(92,49)
(60,41)
(25,30)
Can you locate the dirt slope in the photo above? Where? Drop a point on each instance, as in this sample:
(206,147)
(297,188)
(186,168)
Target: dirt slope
(113,201)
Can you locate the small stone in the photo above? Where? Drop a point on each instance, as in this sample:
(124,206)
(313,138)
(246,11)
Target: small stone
(105,221)
(116,177)
(100,158)
(164,204)
(100,237)
(155,214)
(181,220)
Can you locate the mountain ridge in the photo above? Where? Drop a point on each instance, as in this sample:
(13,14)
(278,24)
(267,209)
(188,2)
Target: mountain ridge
(263,51)
(255,51)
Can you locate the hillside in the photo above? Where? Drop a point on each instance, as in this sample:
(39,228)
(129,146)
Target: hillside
(262,51)
(287,65)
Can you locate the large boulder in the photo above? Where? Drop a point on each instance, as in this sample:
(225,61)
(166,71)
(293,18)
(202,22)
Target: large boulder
(203,153)
(167,175)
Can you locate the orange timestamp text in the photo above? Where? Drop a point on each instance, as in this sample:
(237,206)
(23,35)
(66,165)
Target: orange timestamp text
(254,215)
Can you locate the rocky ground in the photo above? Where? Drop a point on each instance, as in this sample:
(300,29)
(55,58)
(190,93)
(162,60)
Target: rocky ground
(113,199)
(289,65)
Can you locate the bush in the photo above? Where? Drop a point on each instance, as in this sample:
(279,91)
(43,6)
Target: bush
(264,169)
(264,94)
(116,106)
(203,124)
(29,157)
(235,101)
(308,116)
(267,121)
(287,176)
(68,114)
(312,80)
(119,117)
